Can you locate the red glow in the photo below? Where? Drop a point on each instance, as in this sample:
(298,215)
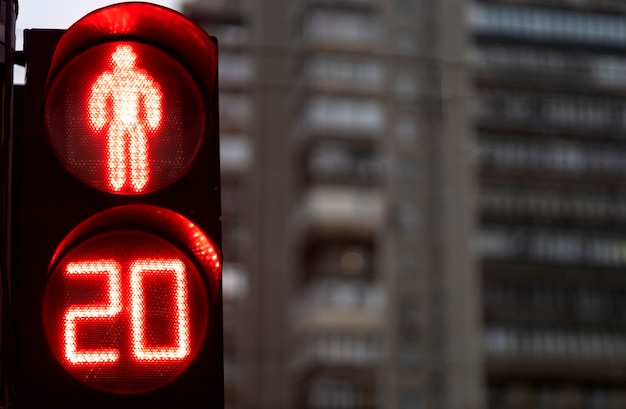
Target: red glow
(132,91)
(125,311)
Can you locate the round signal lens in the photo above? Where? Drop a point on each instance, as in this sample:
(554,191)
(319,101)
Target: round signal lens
(125,312)
(125,118)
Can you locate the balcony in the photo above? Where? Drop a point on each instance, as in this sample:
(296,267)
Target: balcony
(342,162)
(344,118)
(343,73)
(339,304)
(341,211)
(332,29)
(553,352)
(548,25)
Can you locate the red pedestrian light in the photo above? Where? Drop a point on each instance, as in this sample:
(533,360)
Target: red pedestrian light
(116,264)
(125,118)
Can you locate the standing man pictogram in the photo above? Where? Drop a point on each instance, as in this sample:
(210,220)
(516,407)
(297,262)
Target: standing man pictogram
(135,105)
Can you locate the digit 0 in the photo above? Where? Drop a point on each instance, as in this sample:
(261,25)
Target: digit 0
(138,270)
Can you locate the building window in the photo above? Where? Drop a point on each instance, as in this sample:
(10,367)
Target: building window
(609,71)
(235,153)
(345,114)
(335,392)
(235,110)
(547,24)
(598,69)
(559,111)
(343,163)
(554,343)
(552,155)
(355,349)
(591,204)
(235,68)
(337,27)
(553,246)
(345,70)
(341,295)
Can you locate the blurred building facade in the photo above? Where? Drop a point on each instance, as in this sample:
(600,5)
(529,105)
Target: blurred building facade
(550,110)
(422,202)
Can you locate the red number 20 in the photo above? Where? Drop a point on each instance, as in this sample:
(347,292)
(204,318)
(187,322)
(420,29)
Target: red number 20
(113,306)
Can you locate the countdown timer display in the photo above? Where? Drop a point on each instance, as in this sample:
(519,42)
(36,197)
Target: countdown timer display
(125,311)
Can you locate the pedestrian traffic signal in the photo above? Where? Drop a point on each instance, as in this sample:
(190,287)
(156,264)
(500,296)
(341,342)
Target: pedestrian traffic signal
(122,105)
(115,261)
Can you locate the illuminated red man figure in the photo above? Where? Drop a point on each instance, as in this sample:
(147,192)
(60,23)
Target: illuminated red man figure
(135,101)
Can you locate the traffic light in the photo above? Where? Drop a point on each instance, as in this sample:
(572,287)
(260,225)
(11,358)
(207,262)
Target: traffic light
(115,261)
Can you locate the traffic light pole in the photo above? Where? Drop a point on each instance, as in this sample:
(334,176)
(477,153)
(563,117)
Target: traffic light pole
(10,13)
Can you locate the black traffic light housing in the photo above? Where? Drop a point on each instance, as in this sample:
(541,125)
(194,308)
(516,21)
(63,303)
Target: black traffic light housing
(48,204)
